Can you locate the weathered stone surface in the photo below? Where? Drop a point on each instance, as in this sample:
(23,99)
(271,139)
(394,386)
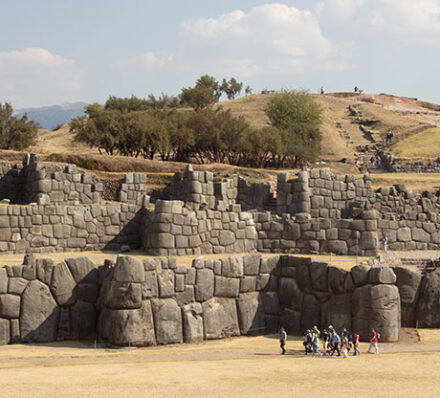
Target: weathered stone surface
(378,307)
(129,269)
(150,288)
(39,314)
(128,327)
(271,303)
(291,321)
(408,282)
(382,274)
(318,275)
(3,281)
(233,267)
(44,270)
(251,314)
(124,295)
(83,319)
(428,304)
(5,336)
(63,285)
(336,279)
(192,323)
(311,312)
(9,306)
(289,293)
(337,312)
(226,287)
(303,277)
(17,285)
(87,292)
(166,283)
(248,284)
(83,269)
(251,264)
(359,274)
(167,321)
(204,288)
(226,238)
(220,318)
(337,247)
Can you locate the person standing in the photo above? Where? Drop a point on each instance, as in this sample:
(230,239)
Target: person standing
(373,342)
(315,345)
(356,344)
(325,341)
(336,340)
(283,339)
(344,345)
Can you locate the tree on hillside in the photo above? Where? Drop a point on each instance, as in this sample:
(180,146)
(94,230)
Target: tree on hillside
(298,117)
(15,133)
(205,92)
(231,88)
(248,90)
(260,145)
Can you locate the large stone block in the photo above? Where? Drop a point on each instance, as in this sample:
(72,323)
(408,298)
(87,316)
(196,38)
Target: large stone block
(226,238)
(378,307)
(220,318)
(83,318)
(382,274)
(226,287)
(336,279)
(318,275)
(337,312)
(204,288)
(129,269)
(44,270)
(166,283)
(408,282)
(428,304)
(290,295)
(128,327)
(251,314)
(311,312)
(63,285)
(359,274)
(233,267)
(167,321)
(5,333)
(150,288)
(271,303)
(17,285)
(39,314)
(124,295)
(192,323)
(291,321)
(83,269)
(9,306)
(3,280)
(251,264)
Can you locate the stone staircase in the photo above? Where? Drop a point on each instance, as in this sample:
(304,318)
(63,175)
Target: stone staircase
(425,265)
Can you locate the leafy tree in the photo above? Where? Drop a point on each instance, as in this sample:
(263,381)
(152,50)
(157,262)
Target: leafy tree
(15,133)
(248,91)
(298,117)
(260,145)
(206,92)
(231,88)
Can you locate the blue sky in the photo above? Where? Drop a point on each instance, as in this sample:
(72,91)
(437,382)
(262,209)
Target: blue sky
(57,51)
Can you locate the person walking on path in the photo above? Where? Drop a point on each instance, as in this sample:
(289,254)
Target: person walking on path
(356,344)
(325,341)
(373,342)
(283,339)
(344,345)
(336,340)
(315,345)
(385,243)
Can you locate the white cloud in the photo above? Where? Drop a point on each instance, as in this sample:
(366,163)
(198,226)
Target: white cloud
(268,39)
(30,72)
(147,61)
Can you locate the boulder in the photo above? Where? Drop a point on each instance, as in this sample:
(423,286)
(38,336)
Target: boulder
(192,316)
(3,281)
(378,307)
(204,288)
(9,306)
(128,327)
(337,312)
(39,314)
(124,295)
(5,334)
(382,274)
(167,321)
(428,304)
(83,319)
(311,312)
(83,269)
(408,282)
(63,285)
(220,318)
(251,314)
(290,295)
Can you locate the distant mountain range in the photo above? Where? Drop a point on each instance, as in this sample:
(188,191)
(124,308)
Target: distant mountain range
(50,117)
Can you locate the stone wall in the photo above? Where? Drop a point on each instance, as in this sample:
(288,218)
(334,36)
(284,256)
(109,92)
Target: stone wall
(153,301)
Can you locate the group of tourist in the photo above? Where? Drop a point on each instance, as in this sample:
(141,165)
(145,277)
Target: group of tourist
(332,342)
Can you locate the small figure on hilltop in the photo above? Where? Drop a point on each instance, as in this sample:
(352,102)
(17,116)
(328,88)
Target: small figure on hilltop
(283,340)
(373,342)
(322,89)
(356,89)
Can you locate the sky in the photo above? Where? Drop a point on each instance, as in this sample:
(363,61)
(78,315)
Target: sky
(59,51)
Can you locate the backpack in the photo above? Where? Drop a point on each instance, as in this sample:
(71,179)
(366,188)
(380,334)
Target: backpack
(378,335)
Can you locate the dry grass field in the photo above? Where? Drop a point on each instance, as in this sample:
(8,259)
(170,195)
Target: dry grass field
(237,367)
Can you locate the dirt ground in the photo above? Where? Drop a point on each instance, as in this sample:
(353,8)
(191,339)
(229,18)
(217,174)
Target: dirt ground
(237,367)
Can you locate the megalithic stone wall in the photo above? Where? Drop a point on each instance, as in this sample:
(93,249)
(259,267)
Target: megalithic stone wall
(154,301)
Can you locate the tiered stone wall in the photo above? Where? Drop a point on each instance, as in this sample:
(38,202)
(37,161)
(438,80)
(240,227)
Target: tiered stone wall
(153,301)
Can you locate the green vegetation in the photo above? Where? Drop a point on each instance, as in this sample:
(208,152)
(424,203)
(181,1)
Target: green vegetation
(15,133)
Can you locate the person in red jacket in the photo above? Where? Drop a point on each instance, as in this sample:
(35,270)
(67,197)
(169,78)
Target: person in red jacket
(373,342)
